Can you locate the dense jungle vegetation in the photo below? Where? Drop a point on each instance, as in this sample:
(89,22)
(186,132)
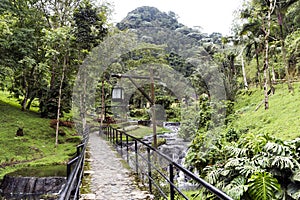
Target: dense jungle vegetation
(247,144)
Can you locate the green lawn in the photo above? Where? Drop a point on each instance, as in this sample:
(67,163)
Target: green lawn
(143,131)
(37,146)
(282,120)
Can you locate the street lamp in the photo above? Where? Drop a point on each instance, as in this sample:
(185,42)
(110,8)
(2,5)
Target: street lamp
(118,94)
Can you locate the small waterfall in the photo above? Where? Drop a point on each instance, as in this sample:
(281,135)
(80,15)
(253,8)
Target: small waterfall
(183,180)
(176,148)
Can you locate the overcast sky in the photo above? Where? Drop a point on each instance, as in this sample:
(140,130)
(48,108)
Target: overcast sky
(211,15)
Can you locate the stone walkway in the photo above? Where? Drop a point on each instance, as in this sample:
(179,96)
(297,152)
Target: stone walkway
(110,179)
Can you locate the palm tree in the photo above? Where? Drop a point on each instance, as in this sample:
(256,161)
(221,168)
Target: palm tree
(252,35)
(281,7)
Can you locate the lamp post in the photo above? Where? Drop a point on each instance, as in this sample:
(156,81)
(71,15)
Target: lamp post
(118,95)
(153,109)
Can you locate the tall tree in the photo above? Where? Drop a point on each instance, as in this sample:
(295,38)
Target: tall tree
(243,69)
(90,25)
(57,47)
(281,8)
(88,30)
(259,15)
(267,30)
(252,37)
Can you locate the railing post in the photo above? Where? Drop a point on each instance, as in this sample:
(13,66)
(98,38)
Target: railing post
(110,130)
(78,150)
(172,192)
(121,142)
(149,170)
(117,137)
(107,132)
(113,136)
(127,149)
(68,170)
(79,174)
(136,157)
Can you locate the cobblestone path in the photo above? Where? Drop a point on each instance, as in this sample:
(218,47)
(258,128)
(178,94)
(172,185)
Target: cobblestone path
(110,180)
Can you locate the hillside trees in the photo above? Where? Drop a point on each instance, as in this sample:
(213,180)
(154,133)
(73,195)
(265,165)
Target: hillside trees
(20,55)
(281,9)
(293,50)
(251,36)
(267,20)
(87,33)
(259,22)
(275,28)
(33,53)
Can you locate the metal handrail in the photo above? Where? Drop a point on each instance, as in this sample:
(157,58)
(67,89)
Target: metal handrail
(74,177)
(116,136)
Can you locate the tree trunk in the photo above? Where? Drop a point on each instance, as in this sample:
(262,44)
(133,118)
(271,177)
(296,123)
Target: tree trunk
(257,65)
(273,79)
(29,103)
(83,100)
(59,101)
(24,102)
(244,71)
(266,67)
(102,106)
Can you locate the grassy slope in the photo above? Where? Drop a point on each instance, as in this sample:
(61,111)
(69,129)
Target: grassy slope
(37,146)
(281,120)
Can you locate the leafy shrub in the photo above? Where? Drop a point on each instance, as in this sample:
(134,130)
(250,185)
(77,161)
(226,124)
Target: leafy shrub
(68,124)
(232,135)
(256,166)
(160,141)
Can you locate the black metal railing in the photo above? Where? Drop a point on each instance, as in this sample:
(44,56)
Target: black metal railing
(156,170)
(75,171)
